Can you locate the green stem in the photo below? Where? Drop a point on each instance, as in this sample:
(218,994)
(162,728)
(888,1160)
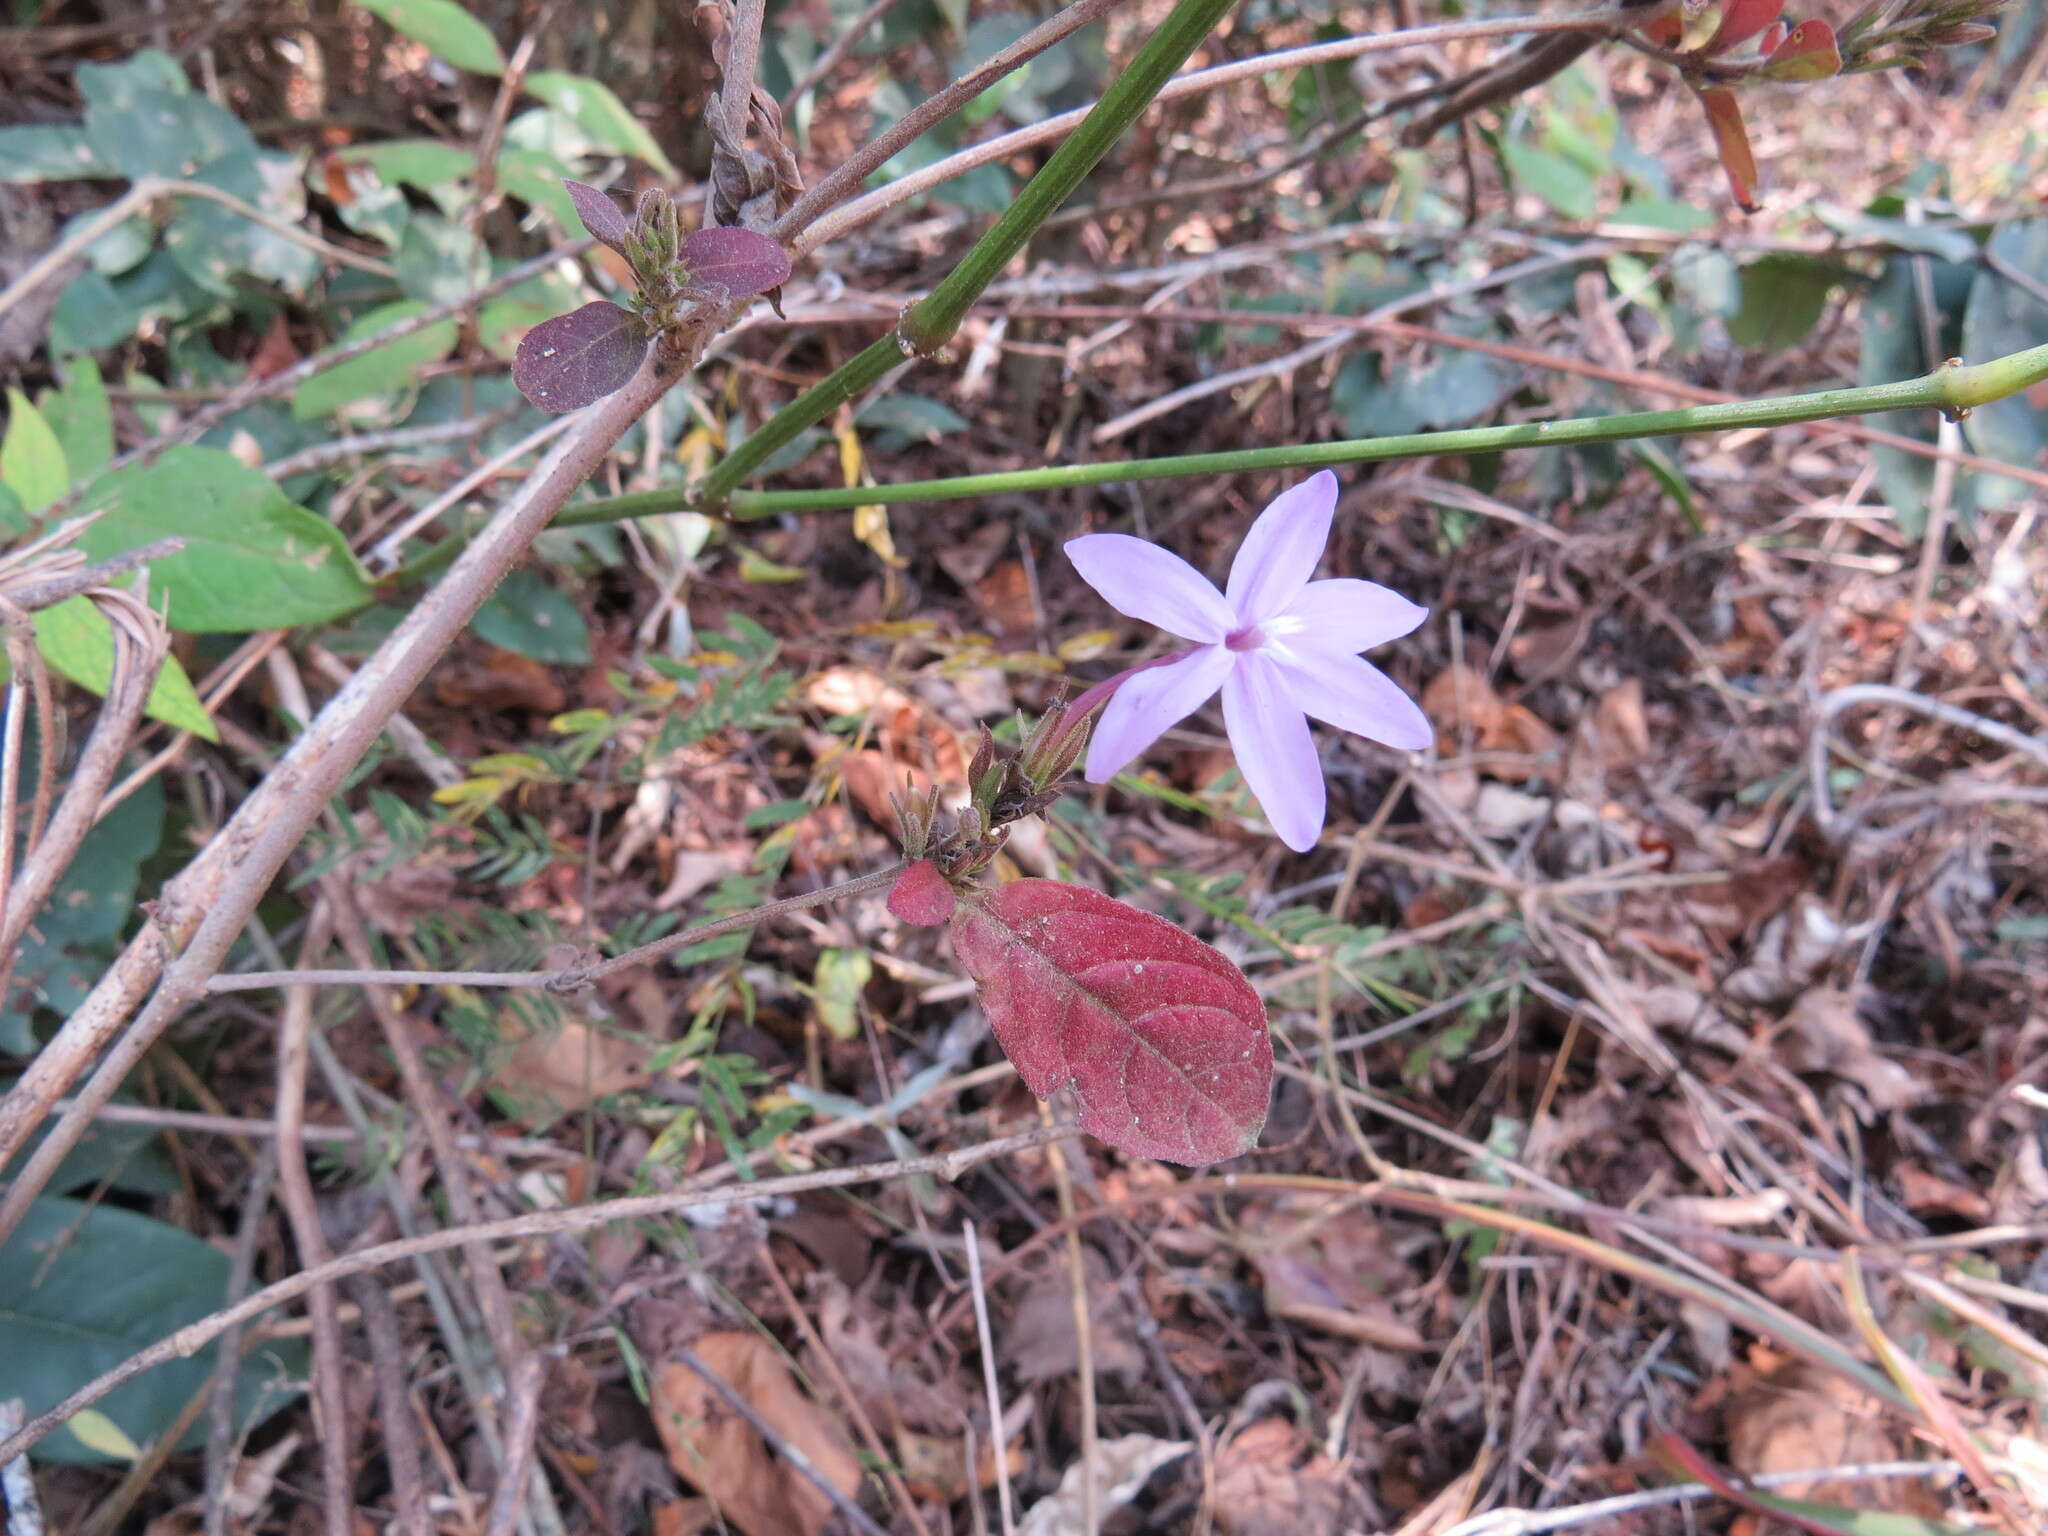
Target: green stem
(930,323)
(1951,389)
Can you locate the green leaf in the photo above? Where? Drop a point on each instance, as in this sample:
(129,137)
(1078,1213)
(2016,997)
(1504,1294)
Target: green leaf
(380,371)
(84,1287)
(1453,388)
(527,615)
(444,29)
(252,559)
(591,105)
(439,261)
(159,132)
(910,417)
(78,643)
(422,163)
(1662,213)
(126,1157)
(2003,317)
(1562,183)
(213,244)
(836,987)
(49,154)
(83,420)
(31,459)
(1782,297)
(535,176)
(67,947)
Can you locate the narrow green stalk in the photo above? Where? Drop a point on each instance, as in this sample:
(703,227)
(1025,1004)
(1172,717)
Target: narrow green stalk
(930,323)
(1954,390)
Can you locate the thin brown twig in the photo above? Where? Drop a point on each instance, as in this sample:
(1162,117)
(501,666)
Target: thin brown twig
(48,590)
(522,1427)
(401,1451)
(846,177)
(840,47)
(220,1428)
(842,1388)
(197,1335)
(568,977)
(852,215)
(295,1191)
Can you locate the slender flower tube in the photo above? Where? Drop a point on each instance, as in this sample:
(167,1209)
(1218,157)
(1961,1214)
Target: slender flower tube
(1279,647)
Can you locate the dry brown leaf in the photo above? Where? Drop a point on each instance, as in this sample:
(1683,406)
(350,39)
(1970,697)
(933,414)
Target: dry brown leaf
(1266,1486)
(1332,1273)
(1823,1033)
(1459,700)
(714,1449)
(1006,599)
(1924,1191)
(566,1067)
(1799,1416)
(1039,1344)
(496,679)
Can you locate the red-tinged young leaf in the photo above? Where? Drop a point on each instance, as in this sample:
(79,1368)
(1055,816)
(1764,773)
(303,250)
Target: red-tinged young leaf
(740,261)
(1767,41)
(565,363)
(921,896)
(1807,53)
(600,215)
(1731,141)
(1740,21)
(1161,1038)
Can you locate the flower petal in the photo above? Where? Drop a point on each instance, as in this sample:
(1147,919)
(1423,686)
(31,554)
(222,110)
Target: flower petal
(1280,553)
(1274,751)
(1345,615)
(1142,708)
(1351,694)
(1146,582)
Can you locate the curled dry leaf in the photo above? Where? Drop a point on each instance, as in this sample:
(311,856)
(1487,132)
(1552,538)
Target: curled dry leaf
(1122,1467)
(565,363)
(1161,1038)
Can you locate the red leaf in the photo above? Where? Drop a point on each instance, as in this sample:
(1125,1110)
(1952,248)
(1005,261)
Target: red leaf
(1666,31)
(921,896)
(1740,21)
(565,363)
(1731,139)
(1808,52)
(740,261)
(600,215)
(1161,1038)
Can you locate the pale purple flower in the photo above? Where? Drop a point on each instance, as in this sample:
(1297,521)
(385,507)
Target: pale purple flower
(1280,647)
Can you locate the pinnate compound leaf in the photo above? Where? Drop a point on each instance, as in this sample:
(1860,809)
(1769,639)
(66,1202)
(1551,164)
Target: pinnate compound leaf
(600,215)
(921,897)
(565,363)
(1161,1038)
(740,261)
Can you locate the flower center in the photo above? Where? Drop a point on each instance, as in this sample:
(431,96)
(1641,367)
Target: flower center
(1250,638)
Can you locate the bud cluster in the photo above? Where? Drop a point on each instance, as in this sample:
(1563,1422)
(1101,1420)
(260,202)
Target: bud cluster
(1890,34)
(652,247)
(1002,787)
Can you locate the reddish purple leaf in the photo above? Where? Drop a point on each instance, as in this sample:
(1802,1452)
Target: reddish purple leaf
(1731,141)
(565,363)
(921,896)
(600,215)
(1807,52)
(1161,1038)
(740,261)
(1740,21)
